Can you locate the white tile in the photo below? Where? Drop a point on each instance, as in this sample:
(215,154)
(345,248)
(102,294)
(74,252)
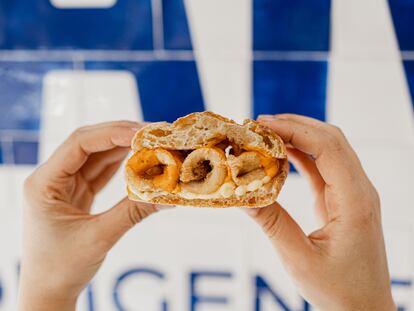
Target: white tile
(222,46)
(76,98)
(6,200)
(391,170)
(220,28)
(297,198)
(73,4)
(177,242)
(11,183)
(226,87)
(265,263)
(370,101)
(363,30)
(9,260)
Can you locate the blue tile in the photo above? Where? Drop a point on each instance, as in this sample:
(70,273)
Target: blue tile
(25,152)
(402,12)
(167,89)
(176,31)
(409,71)
(28,24)
(20,92)
(297,25)
(290,87)
(292,168)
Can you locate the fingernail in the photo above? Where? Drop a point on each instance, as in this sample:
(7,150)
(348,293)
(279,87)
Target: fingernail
(160,207)
(265,116)
(251,211)
(141,125)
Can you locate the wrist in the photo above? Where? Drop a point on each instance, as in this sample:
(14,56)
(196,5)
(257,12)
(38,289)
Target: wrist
(36,294)
(34,300)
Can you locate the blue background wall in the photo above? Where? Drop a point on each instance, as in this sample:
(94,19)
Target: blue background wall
(297,86)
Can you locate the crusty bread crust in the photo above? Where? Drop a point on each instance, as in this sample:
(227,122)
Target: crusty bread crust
(202,129)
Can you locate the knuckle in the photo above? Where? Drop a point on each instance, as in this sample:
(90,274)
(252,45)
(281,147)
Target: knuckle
(376,197)
(133,215)
(78,132)
(32,182)
(272,225)
(335,130)
(137,212)
(370,212)
(333,142)
(366,217)
(28,182)
(49,191)
(74,136)
(28,185)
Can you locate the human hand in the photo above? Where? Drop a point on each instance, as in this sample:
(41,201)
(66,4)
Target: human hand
(63,243)
(342,265)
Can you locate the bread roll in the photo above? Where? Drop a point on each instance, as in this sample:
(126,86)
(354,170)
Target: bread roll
(206,160)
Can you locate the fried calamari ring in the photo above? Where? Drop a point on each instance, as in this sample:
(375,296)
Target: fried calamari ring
(203,171)
(250,166)
(157,168)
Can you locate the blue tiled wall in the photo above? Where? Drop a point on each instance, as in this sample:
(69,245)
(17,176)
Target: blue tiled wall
(20,92)
(25,152)
(161,86)
(175,26)
(171,84)
(283,86)
(403,12)
(279,28)
(293,25)
(409,70)
(37,24)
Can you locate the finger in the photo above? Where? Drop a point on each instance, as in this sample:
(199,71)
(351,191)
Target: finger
(123,123)
(98,162)
(287,237)
(334,158)
(114,223)
(74,152)
(295,117)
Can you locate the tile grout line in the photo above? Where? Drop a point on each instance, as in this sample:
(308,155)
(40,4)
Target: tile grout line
(407,55)
(155,55)
(84,55)
(291,55)
(159,54)
(22,135)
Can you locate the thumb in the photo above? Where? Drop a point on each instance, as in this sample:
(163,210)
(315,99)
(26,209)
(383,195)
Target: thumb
(114,223)
(285,234)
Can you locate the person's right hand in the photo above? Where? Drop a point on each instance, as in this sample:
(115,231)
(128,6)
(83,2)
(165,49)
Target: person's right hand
(342,265)
(64,244)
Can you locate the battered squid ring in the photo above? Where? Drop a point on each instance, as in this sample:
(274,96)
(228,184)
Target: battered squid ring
(157,168)
(203,171)
(250,166)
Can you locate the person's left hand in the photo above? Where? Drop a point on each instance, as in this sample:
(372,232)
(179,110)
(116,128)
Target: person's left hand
(63,243)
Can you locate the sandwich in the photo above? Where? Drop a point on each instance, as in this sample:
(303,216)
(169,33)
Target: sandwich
(206,160)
